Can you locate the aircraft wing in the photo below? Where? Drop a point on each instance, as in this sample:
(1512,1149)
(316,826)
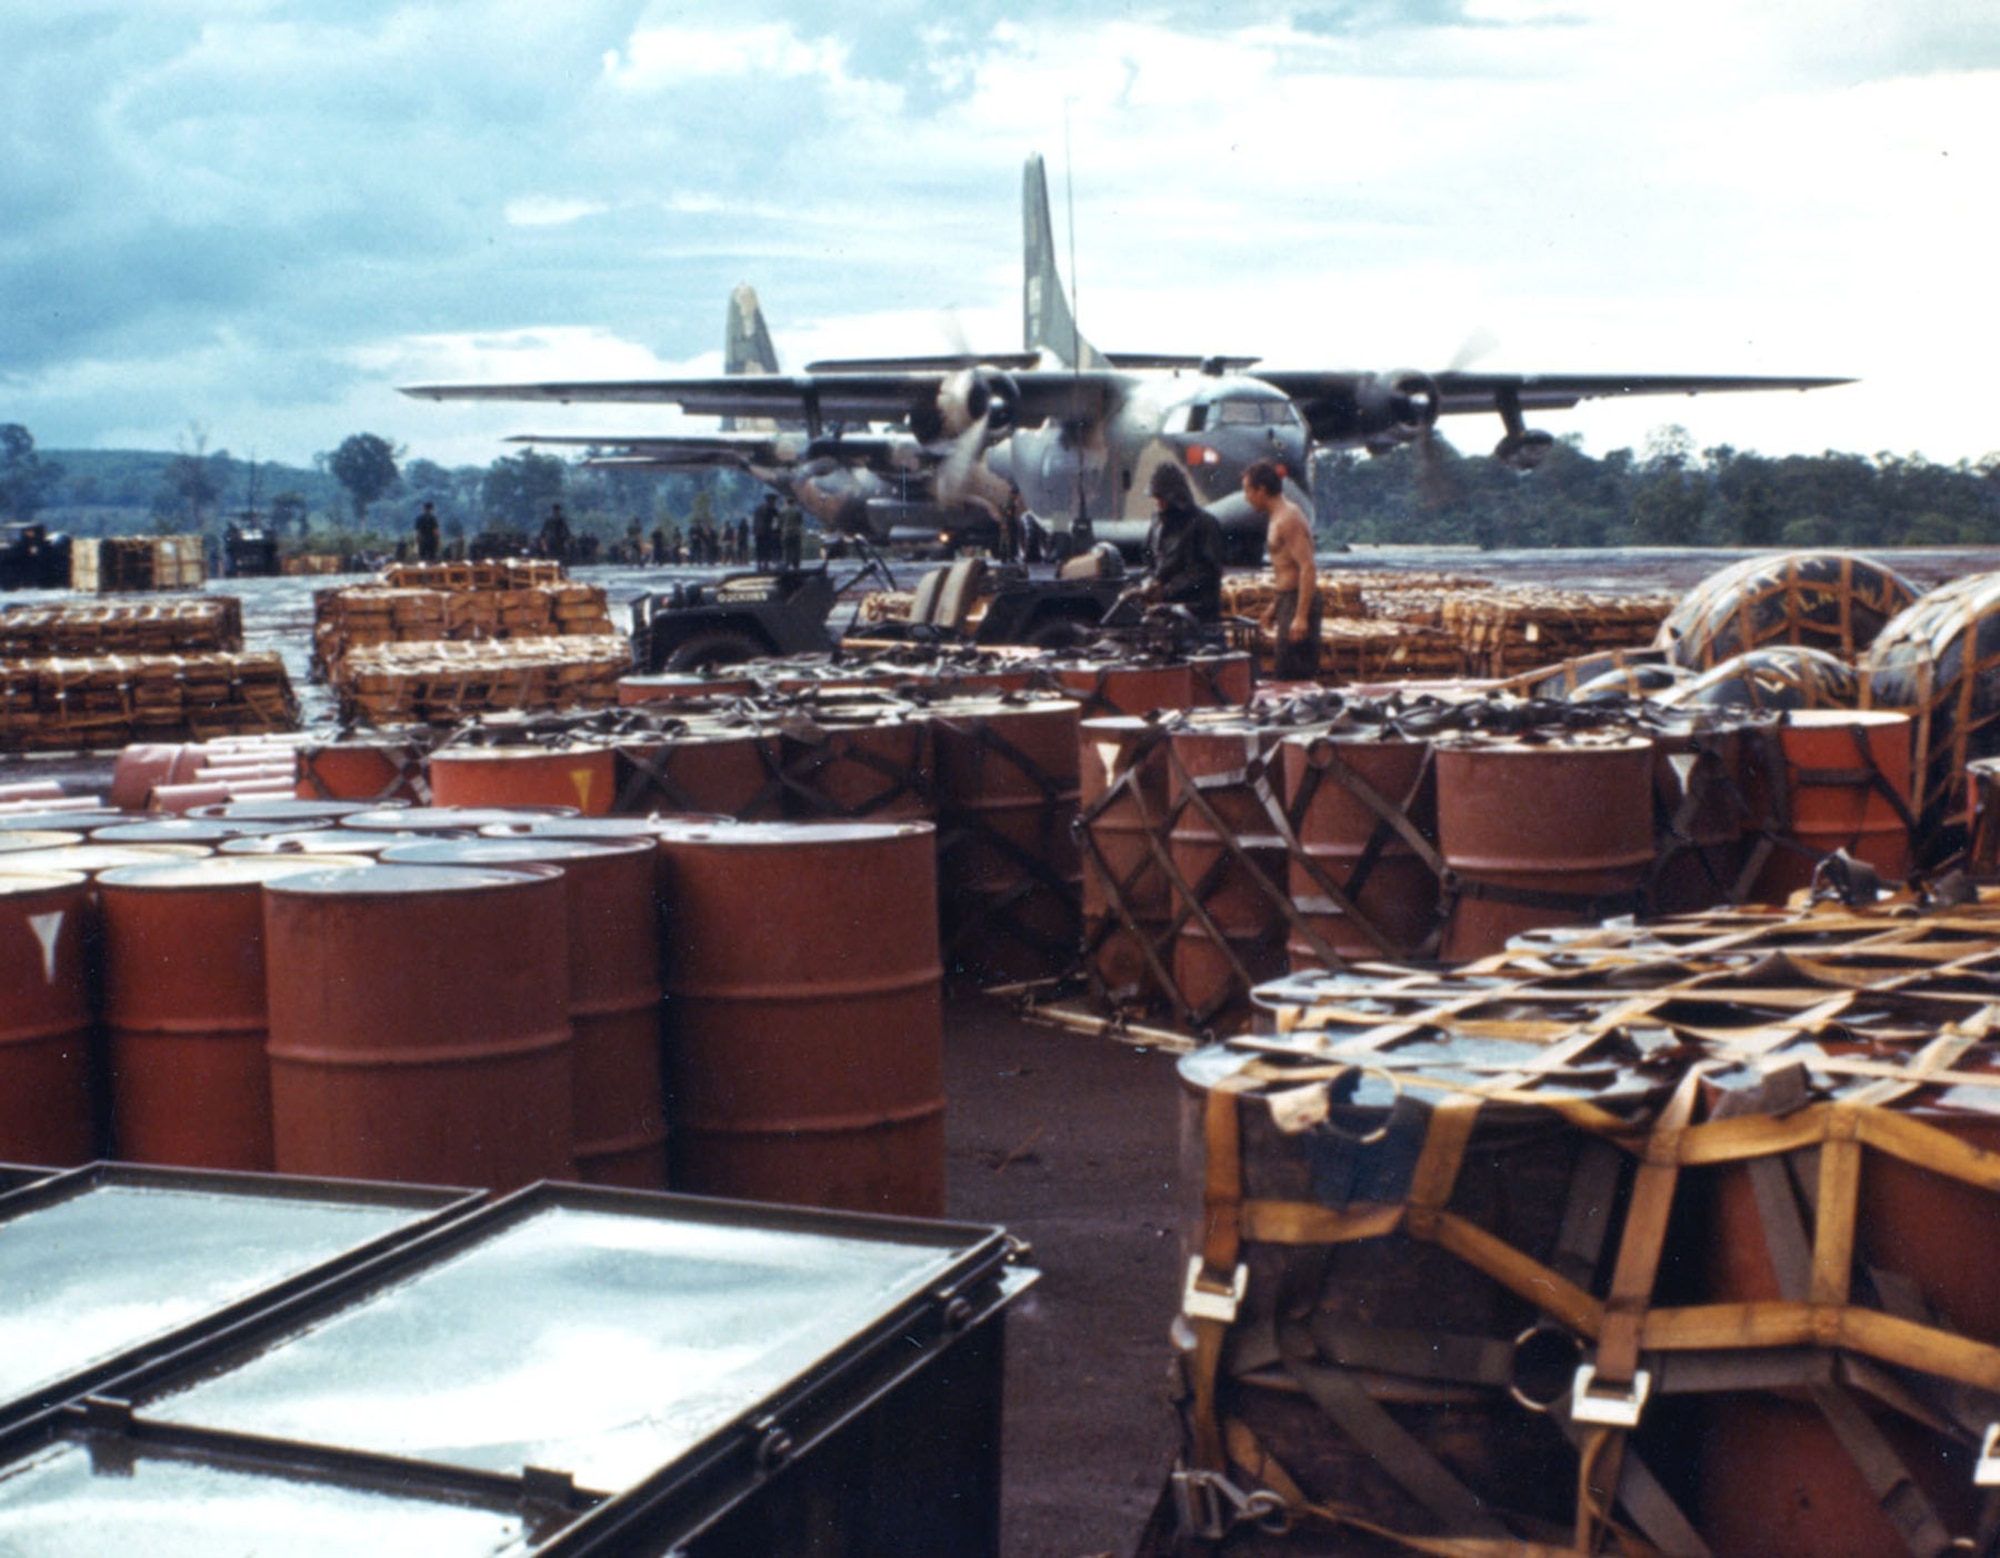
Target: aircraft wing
(890,395)
(1460,392)
(738,449)
(1469,392)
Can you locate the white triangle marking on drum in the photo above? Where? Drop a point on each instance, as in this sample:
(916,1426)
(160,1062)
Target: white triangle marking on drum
(46,928)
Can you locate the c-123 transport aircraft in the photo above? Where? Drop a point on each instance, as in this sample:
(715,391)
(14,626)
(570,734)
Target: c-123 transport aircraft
(1064,431)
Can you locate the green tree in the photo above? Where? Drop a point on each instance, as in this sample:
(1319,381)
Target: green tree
(192,481)
(26,479)
(288,510)
(365,464)
(519,489)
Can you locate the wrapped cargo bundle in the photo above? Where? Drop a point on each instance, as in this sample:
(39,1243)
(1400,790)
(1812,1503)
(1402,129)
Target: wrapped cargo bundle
(1508,631)
(1657,1238)
(507,573)
(1414,597)
(1251,595)
(1939,662)
(1767,680)
(191,626)
(111,700)
(1835,601)
(432,682)
(361,616)
(102,565)
(1355,649)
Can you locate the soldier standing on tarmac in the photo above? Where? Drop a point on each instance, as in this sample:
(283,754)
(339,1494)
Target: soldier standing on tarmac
(1185,545)
(426,527)
(554,539)
(792,535)
(765,532)
(1294,618)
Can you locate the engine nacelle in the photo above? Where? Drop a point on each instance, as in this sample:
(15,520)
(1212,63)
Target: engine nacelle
(1525,450)
(975,395)
(1396,408)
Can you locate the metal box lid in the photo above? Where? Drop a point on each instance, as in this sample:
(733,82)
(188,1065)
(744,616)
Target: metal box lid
(592,1334)
(79,1496)
(107,1265)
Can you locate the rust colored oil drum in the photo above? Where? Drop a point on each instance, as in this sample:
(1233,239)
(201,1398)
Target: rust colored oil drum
(1223,680)
(79,814)
(30,790)
(680,686)
(37,838)
(710,769)
(805,1055)
(419,1026)
(1127,897)
(46,1114)
(445,821)
(93,858)
(858,762)
(144,764)
(583,777)
(211,832)
(184,1008)
(1556,833)
(371,772)
(1008,867)
(1237,874)
(1698,793)
(1835,763)
(614,992)
(314,841)
(1774,1477)
(292,812)
(1333,789)
(1111,688)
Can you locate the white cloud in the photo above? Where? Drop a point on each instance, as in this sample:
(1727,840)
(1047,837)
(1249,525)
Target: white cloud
(550,210)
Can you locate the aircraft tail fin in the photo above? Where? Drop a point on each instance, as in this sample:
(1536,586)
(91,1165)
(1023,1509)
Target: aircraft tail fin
(746,346)
(1047,323)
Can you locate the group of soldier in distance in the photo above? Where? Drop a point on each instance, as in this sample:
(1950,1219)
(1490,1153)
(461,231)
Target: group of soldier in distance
(771,537)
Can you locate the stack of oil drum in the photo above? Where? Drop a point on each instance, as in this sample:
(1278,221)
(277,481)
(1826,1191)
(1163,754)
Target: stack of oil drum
(1668,1237)
(1221,849)
(483,997)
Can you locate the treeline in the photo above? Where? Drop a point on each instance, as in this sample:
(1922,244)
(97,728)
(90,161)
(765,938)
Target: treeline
(360,496)
(1667,495)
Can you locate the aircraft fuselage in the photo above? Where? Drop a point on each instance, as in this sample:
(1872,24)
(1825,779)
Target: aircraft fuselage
(1211,425)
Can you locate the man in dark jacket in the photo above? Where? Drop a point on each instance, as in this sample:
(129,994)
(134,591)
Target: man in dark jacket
(1185,547)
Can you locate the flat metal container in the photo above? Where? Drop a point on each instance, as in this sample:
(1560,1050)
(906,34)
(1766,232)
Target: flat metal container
(87,1492)
(110,1264)
(660,1357)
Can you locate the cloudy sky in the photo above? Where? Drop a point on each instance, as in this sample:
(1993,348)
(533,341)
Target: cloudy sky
(249,220)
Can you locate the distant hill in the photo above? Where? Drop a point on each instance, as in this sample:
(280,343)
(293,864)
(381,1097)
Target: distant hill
(121,491)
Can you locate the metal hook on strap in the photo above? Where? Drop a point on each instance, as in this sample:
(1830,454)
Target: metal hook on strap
(1210,1506)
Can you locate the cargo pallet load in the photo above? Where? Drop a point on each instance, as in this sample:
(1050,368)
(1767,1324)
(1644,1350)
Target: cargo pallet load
(1669,1238)
(104,565)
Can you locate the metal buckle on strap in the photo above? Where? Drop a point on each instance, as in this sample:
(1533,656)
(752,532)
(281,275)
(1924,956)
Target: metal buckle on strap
(1200,1302)
(1608,1408)
(1210,1506)
(1986,1471)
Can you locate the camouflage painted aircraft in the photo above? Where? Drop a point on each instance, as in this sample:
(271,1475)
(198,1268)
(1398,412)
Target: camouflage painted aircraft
(876,484)
(1074,431)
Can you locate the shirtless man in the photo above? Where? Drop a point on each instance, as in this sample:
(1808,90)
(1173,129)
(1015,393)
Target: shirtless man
(1294,617)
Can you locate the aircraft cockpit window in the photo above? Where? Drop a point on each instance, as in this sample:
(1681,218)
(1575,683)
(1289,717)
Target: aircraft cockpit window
(1195,418)
(1255,413)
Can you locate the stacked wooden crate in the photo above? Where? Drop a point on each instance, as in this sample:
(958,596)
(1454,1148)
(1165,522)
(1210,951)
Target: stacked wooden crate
(100,565)
(437,681)
(1507,631)
(74,703)
(196,623)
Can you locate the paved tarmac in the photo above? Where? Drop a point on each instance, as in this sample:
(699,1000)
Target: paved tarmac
(1073,1143)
